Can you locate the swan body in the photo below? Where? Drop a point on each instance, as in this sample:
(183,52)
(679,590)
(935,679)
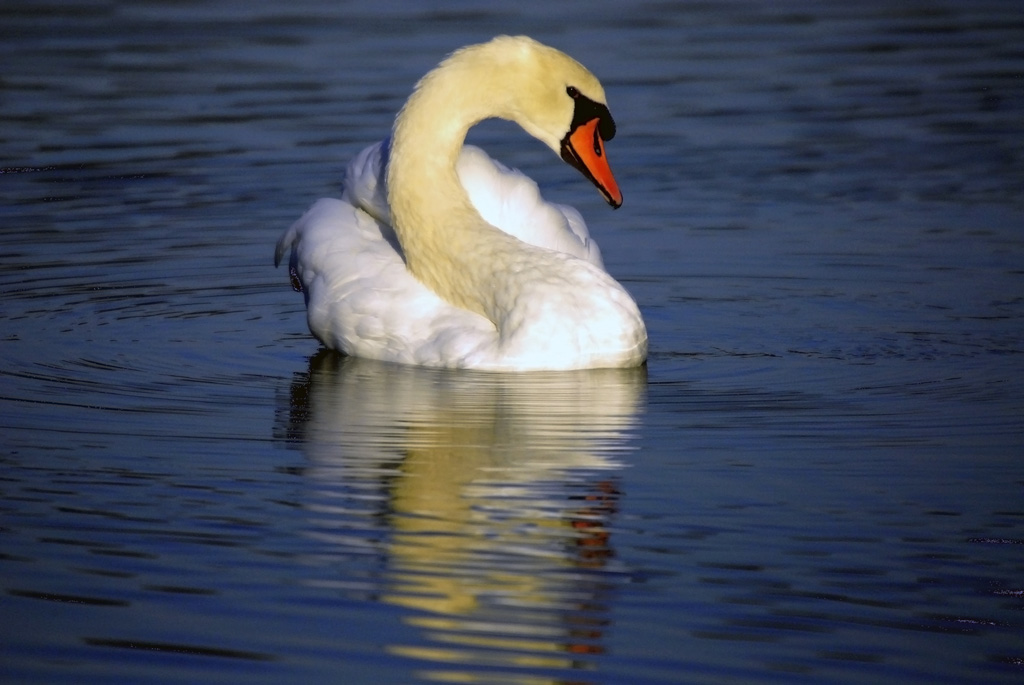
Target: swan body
(436,255)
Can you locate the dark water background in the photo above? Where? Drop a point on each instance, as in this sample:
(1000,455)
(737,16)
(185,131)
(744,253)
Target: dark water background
(818,477)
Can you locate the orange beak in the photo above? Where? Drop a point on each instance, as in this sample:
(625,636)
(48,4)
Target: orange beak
(583,148)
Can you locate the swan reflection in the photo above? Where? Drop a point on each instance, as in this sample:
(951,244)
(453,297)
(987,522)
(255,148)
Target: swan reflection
(479,502)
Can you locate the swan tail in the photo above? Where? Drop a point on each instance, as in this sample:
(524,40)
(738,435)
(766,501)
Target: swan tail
(285,243)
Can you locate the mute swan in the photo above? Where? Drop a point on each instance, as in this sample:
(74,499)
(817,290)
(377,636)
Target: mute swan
(438,256)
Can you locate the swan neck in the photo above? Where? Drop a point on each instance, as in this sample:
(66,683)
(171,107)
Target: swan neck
(447,244)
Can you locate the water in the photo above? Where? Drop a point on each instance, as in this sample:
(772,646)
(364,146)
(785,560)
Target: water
(817,478)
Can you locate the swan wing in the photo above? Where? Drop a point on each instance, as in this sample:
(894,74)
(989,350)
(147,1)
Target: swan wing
(511,200)
(361,300)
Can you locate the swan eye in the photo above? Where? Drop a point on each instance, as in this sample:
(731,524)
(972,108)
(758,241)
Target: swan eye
(573,92)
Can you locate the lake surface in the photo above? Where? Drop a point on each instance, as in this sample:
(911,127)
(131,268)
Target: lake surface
(818,477)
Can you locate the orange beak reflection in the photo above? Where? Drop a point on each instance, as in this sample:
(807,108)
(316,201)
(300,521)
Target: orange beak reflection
(583,148)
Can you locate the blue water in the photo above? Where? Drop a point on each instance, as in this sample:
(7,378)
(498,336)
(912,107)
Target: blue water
(817,478)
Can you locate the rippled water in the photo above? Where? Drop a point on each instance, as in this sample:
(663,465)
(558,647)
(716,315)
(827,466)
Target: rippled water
(817,478)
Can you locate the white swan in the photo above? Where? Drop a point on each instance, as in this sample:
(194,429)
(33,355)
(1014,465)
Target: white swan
(438,256)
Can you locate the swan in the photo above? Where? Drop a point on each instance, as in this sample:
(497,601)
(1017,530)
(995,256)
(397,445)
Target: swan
(435,255)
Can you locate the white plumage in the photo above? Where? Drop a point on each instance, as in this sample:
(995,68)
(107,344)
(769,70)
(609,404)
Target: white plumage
(440,282)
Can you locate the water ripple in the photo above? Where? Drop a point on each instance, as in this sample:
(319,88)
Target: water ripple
(817,478)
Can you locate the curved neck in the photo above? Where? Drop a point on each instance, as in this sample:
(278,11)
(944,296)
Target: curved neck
(447,244)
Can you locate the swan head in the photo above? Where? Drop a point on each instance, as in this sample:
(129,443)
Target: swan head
(554,98)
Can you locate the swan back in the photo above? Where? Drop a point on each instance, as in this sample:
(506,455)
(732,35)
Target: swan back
(505,198)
